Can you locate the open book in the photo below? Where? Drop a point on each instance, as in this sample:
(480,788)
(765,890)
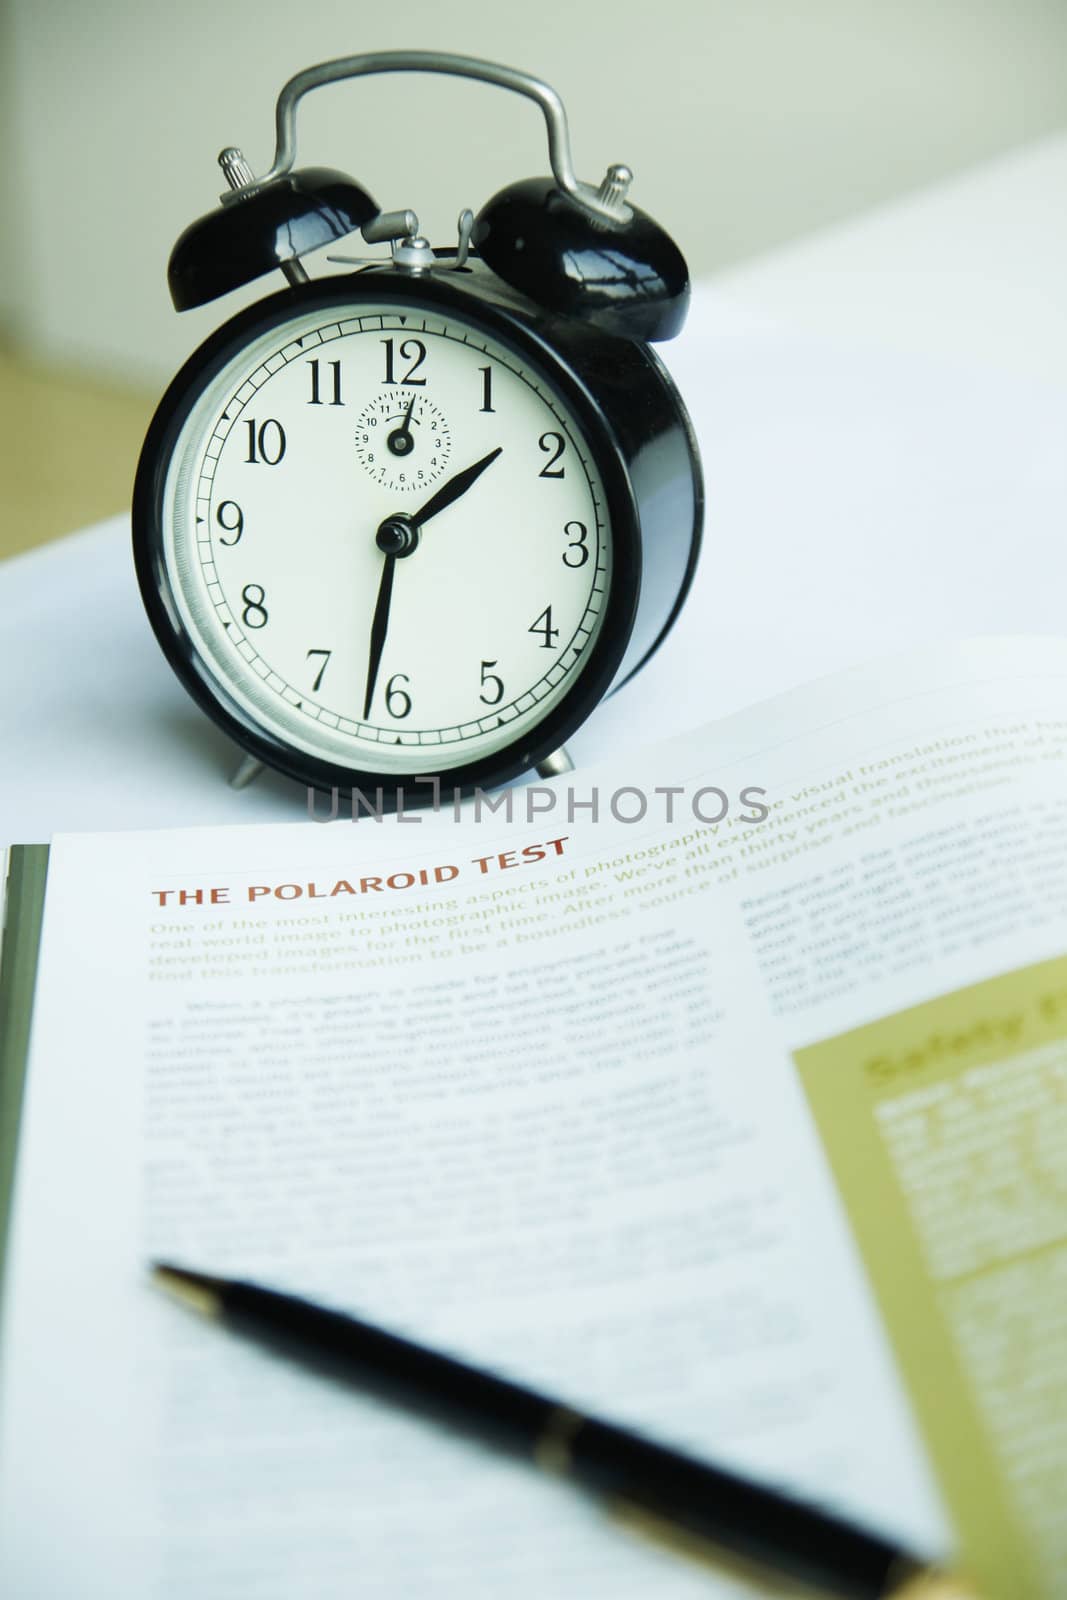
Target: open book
(737,1114)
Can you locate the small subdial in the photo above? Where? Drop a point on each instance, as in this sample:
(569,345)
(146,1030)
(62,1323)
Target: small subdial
(403,441)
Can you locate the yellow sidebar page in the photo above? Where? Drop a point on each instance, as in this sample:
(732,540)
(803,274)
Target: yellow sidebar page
(946,1128)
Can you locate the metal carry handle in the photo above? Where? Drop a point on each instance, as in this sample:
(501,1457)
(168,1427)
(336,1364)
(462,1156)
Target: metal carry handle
(606,202)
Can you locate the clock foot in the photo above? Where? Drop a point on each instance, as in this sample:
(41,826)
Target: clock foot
(246,771)
(555,764)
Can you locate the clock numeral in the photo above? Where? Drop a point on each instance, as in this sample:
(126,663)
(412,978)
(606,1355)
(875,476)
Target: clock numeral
(266,442)
(491,678)
(397,701)
(236,524)
(578,533)
(254,614)
(325,654)
(412,350)
(335,368)
(544,627)
(487,389)
(553,444)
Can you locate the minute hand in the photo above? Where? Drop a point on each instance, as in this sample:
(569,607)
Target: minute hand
(450,491)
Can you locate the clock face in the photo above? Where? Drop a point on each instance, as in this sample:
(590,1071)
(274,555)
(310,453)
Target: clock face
(386,537)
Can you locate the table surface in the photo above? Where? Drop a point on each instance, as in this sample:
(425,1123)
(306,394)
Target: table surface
(881,410)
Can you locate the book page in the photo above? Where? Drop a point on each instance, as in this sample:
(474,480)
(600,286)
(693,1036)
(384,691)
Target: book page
(526,1091)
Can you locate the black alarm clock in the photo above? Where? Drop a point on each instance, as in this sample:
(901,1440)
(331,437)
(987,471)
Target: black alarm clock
(422,516)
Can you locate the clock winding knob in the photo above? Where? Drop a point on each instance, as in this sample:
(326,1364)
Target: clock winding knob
(614,186)
(235,168)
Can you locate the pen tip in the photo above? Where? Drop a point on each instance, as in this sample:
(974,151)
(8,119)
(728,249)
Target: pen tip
(194,1289)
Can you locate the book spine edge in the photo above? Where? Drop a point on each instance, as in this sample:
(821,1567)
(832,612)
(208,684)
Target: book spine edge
(23,911)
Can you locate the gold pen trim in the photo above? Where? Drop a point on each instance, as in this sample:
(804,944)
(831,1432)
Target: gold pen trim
(930,1583)
(907,1583)
(552,1447)
(667,1535)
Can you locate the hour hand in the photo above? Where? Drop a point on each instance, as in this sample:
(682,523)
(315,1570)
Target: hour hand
(451,491)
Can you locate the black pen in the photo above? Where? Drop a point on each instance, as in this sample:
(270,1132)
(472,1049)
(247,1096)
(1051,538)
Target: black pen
(698,1508)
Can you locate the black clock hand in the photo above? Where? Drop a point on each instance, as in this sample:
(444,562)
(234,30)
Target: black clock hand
(397,537)
(378,630)
(451,491)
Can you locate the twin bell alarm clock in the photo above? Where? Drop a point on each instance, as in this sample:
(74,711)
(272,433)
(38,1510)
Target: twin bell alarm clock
(421,515)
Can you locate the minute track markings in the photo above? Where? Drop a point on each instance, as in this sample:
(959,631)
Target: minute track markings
(535,693)
(345,331)
(426,735)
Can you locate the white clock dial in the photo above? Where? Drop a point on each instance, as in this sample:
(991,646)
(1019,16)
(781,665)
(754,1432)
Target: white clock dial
(450,634)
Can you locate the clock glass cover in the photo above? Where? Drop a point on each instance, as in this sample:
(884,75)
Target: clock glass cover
(386,537)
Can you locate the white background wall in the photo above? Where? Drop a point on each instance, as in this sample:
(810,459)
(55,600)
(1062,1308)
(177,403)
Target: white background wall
(748,122)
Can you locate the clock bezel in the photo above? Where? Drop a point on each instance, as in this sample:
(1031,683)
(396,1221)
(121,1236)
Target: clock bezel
(442,295)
